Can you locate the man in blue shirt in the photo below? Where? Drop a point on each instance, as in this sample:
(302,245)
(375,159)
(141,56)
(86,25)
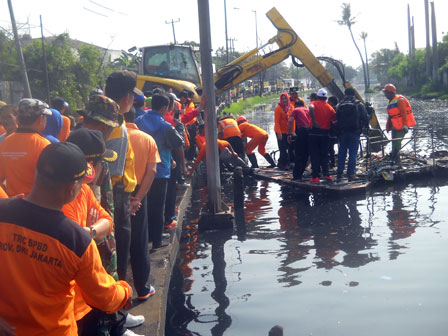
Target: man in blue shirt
(167,139)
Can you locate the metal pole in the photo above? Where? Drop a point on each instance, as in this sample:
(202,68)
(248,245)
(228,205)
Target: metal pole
(435,56)
(211,131)
(256,29)
(47,81)
(172,22)
(227,38)
(26,84)
(428,44)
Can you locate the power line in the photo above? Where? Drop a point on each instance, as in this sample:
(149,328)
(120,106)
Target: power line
(96,3)
(90,10)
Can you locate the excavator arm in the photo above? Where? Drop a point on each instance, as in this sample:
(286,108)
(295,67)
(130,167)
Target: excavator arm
(289,44)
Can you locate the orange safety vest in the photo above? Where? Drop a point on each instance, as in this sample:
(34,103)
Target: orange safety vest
(395,114)
(229,128)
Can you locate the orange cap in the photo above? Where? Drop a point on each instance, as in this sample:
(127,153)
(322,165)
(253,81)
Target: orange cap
(241,119)
(390,87)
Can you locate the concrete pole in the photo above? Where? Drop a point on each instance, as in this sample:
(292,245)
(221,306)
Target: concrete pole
(211,131)
(44,54)
(227,37)
(435,56)
(409,32)
(26,84)
(428,43)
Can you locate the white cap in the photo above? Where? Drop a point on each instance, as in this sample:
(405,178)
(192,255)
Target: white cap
(322,93)
(174,96)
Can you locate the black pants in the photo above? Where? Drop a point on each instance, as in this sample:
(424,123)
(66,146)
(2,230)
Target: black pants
(318,147)
(171,191)
(140,263)
(283,145)
(122,223)
(156,208)
(97,322)
(238,146)
(301,152)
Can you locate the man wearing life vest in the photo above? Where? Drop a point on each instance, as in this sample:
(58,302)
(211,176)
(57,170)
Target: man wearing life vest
(259,137)
(228,130)
(400,118)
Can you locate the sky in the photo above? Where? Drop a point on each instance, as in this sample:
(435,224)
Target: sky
(120,25)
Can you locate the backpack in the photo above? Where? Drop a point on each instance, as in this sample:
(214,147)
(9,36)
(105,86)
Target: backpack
(348,116)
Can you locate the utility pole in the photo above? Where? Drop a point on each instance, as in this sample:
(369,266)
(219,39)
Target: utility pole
(428,43)
(44,53)
(256,29)
(435,56)
(172,22)
(227,38)
(212,215)
(26,84)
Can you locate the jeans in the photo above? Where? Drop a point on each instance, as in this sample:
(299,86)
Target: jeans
(348,141)
(156,209)
(140,262)
(122,223)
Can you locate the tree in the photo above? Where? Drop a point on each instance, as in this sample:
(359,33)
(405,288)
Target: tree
(364,37)
(349,21)
(9,67)
(381,61)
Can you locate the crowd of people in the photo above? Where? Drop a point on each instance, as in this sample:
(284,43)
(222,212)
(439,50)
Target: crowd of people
(309,133)
(83,198)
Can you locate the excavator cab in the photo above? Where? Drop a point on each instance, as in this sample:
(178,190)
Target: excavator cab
(169,66)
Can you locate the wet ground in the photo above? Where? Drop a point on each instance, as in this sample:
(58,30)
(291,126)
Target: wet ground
(367,265)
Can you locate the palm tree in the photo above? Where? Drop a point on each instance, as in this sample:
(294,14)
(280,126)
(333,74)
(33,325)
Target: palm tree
(364,36)
(349,21)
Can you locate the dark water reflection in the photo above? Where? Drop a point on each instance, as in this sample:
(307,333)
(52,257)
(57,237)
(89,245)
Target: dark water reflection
(365,265)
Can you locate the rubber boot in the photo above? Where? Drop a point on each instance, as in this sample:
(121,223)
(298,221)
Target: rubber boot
(253,160)
(269,160)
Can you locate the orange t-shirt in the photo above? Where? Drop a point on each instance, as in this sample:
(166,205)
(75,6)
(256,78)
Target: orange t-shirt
(145,147)
(200,140)
(229,128)
(19,153)
(48,251)
(324,114)
(77,211)
(281,119)
(251,131)
(2,130)
(65,130)
(221,144)
(3,194)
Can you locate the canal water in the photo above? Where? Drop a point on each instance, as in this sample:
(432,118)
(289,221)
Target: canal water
(360,265)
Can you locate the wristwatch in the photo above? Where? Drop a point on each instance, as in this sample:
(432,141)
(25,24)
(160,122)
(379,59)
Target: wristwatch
(92,232)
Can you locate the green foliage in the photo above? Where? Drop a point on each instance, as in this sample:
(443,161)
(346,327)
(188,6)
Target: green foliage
(240,107)
(9,68)
(72,72)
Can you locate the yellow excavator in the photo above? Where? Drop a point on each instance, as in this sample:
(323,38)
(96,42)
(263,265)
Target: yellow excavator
(243,68)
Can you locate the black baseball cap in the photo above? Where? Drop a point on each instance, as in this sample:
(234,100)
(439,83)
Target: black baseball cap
(92,144)
(62,161)
(293,89)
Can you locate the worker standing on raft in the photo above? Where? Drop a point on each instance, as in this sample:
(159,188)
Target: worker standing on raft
(259,137)
(400,119)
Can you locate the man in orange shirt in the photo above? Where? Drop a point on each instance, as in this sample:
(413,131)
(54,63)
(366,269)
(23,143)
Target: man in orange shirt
(259,137)
(46,251)
(20,151)
(145,171)
(226,154)
(228,130)
(322,114)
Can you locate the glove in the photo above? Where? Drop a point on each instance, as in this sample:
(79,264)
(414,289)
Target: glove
(405,129)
